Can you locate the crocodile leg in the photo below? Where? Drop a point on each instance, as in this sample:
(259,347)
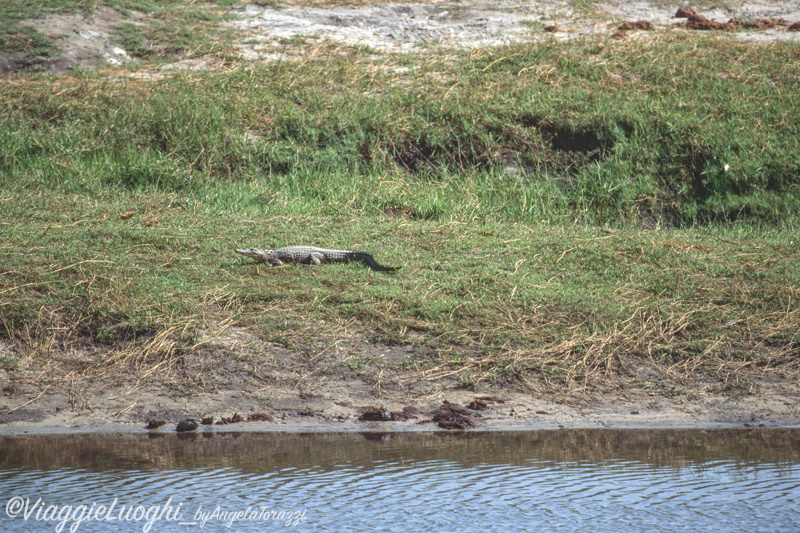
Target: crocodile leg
(317,258)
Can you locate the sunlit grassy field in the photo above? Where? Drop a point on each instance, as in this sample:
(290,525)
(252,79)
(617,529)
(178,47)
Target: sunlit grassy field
(556,207)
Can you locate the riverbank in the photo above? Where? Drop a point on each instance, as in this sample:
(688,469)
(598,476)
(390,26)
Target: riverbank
(595,226)
(275,398)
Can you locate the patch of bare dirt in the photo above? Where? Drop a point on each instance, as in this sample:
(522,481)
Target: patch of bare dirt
(283,31)
(83,41)
(394,26)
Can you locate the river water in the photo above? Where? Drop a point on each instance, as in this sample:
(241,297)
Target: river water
(562,480)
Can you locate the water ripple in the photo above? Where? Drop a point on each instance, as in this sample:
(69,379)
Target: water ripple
(446,495)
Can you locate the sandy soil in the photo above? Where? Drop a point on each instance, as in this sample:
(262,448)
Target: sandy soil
(270,33)
(83,42)
(235,372)
(414,26)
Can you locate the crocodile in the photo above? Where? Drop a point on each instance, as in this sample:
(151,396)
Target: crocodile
(310,255)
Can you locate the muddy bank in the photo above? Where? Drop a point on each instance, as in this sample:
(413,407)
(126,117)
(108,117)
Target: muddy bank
(363,388)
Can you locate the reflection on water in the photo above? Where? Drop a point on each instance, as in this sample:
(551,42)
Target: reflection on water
(600,480)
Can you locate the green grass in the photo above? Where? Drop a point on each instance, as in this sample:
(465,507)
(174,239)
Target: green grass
(487,175)
(25,39)
(496,300)
(578,132)
(175,30)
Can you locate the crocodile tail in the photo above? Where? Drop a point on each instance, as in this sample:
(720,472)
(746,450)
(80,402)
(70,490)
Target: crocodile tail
(370,262)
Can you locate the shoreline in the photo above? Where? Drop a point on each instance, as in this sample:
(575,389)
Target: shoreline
(337,407)
(379,429)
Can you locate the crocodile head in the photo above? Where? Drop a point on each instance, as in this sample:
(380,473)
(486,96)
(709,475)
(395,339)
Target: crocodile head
(261,256)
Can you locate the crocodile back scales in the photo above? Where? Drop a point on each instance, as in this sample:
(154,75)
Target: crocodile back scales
(302,254)
(312,255)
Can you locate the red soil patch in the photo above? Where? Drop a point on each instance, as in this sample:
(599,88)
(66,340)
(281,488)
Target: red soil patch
(699,22)
(638,25)
(759,24)
(451,416)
